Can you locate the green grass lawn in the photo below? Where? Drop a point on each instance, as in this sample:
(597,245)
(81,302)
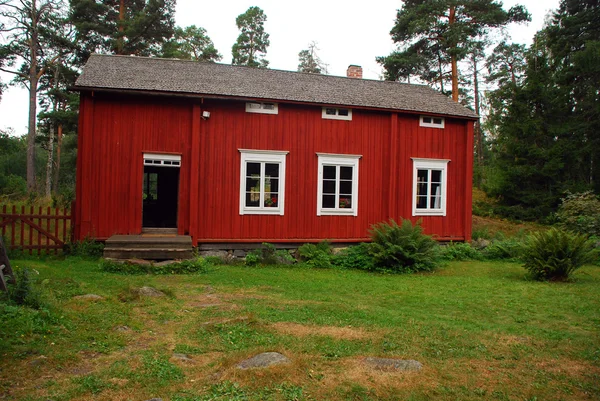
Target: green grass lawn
(480,329)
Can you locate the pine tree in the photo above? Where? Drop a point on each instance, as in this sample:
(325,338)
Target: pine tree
(191,43)
(309,61)
(138,27)
(435,35)
(251,45)
(36,38)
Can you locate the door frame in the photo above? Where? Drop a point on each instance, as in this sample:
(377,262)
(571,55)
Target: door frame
(165,160)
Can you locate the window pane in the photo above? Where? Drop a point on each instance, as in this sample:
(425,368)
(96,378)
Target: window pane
(329,172)
(252,199)
(435,202)
(427,120)
(437,121)
(330,111)
(252,169)
(342,112)
(422,189)
(328,187)
(421,175)
(436,175)
(272,199)
(329,201)
(271,170)
(345,173)
(421,202)
(345,187)
(271,184)
(252,185)
(346,202)
(268,106)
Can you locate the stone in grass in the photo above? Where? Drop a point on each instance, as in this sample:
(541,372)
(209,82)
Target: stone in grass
(390,364)
(149,292)
(155,399)
(263,360)
(122,328)
(182,357)
(89,297)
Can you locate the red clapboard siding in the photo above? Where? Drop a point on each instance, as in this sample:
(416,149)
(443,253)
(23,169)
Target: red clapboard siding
(115,131)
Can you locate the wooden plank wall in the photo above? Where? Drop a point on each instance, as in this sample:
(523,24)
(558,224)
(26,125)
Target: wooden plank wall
(120,130)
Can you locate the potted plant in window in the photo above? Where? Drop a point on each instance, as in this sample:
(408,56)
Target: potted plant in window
(344,203)
(271,201)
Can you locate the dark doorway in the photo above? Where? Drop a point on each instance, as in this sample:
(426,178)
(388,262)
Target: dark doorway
(160,197)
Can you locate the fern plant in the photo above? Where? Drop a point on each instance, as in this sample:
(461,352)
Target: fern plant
(402,248)
(556,254)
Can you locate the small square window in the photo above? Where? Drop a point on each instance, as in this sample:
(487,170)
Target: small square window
(431,122)
(264,108)
(333,113)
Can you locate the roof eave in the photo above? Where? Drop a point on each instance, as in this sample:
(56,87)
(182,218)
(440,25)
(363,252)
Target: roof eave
(79,88)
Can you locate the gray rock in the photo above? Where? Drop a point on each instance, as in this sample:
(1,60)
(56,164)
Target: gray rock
(182,357)
(238,253)
(150,292)
(122,328)
(89,297)
(263,360)
(218,254)
(141,262)
(338,249)
(155,399)
(390,364)
(165,263)
(40,360)
(480,243)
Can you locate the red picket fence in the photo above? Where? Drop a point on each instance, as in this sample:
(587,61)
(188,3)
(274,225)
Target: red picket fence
(35,229)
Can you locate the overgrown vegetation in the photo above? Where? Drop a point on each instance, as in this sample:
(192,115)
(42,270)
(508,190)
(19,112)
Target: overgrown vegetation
(580,213)
(267,254)
(556,254)
(198,265)
(88,248)
(23,292)
(402,248)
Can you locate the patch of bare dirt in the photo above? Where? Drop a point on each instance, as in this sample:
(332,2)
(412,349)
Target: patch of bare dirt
(342,333)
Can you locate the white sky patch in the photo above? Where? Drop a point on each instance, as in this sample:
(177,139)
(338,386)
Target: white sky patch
(346,31)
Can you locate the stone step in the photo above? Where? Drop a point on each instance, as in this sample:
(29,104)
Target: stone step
(150,254)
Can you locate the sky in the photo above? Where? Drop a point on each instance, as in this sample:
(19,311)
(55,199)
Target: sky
(346,32)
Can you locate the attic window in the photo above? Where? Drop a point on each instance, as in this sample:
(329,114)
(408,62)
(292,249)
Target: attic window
(264,108)
(432,122)
(333,113)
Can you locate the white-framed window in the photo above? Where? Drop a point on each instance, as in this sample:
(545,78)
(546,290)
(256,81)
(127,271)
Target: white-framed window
(431,122)
(335,113)
(160,159)
(262,107)
(429,187)
(262,181)
(337,192)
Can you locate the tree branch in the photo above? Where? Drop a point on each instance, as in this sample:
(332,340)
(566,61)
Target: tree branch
(25,76)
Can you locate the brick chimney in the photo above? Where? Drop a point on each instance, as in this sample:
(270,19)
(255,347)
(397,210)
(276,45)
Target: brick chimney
(354,71)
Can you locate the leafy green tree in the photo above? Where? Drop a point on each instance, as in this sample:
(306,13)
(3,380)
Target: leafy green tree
(310,62)
(191,43)
(435,35)
(138,27)
(251,45)
(36,37)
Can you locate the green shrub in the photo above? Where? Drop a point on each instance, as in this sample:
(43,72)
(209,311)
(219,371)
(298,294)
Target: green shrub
(23,292)
(580,213)
(460,251)
(252,259)
(13,186)
(198,265)
(355,257)
(267,254)
(316,255)
(402,248)
(88,248)
(510,248)
(555,254)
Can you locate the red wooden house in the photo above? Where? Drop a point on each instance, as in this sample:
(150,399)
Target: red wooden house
(229,154)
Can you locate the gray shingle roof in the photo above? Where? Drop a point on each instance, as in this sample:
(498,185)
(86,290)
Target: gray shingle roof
(206,79)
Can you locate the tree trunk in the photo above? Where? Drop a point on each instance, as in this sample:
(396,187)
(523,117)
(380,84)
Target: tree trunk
(121,39)
(451,19)
(59,135)
(33,84)
(50,161)
(478,133)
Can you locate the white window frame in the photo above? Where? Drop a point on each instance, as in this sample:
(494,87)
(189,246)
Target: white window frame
(262,156)
(431,124)
(336,116)
(338,160)
(430,164)
(262,110)
(162,160)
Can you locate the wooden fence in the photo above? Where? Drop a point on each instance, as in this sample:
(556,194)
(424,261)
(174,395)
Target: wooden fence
(35,229)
